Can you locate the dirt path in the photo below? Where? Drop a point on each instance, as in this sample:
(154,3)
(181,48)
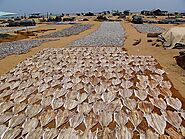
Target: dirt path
(10,62)
(164,57)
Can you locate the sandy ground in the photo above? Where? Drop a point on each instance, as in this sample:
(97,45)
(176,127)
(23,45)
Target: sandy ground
(10,62)
(164,57)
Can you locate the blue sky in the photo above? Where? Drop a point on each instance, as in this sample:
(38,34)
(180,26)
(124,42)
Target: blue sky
(58,6)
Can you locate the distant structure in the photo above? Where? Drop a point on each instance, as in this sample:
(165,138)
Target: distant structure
(156,12)
(35,15)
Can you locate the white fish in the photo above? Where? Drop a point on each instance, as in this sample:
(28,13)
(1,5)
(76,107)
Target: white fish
(157,122)
(159,103)
(116,81)
(84,108)
(174,103)
(105,118)
(3,128)
(6,93)
(76,120)
(141,94)
(173,118)
(76,80)
(91,120)
(11,133)
(29,124)
(35,134)
(62,117)
(126,84)
(115,105)
(125,93)
(70,104)
(57,103)
(173,133)
(98,106)
(81,97)
(18,107)
(124,133)
(108,96)
(68,133)
(50,133)
(153,92)
(43,87)
(149,134)
(46,101)
(16,120)
(46,117)
(166,92)
(4,117)
(121,118)
(146,106)
(35,98)
(59,93)
(129,103)
(136,118)
(15,84)
(5,106)
(4,86)
(100,89)
(33,110)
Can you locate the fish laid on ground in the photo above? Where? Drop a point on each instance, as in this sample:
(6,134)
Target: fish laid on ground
(11,133)
(88,134)
(124,133)
(57,103)
(155,92)
(76,120)
(106,133)
(47,117)
(116,81)
(18,107)
(70,104)
(68,133)
(35,134)
(125,93)
(121,118)
(3,128)
(173,118)
(146,106)
(126,84)
(29,125)
(4,106)
(157,122)
(100,89)
(174,134)
(16,120)
(35,98)
(76,80)
(4,117)
(91,120)
(50,133)
(60,92)
(94,97)
(141,94)
(166,92)
(115,105)
(174,103)
(81,97)
(153,84)
(136,118)
(63,117)
(43,87)
(46,101)
(98,107)
(129,103)
(4,86)
(159,103)
(33,110)
(6,93)
(149,134)
(15,84)
(108,96)
(84,108)
(105,118)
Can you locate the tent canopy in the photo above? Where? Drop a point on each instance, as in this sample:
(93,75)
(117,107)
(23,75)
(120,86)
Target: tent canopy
(6,13)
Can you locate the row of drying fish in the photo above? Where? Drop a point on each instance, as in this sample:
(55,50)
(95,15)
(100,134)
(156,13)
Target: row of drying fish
(90,87)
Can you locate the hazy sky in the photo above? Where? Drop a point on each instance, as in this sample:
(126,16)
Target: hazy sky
(58,6)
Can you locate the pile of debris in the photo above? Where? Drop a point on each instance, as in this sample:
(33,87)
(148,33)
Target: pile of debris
(181,59)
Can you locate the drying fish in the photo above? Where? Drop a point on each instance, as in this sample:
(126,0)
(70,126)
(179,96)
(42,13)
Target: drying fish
(4,106)
(84,108)
(157,78)
(173,118)
(99,89)
(166,84)
(20,98)
(34,98)
(62,117)
(127,84)
(55,82)
(88,134)
(71,94)
(157,122)
(76,80)
(6,93)
(68,133)
(124,133)
(86,80)
(105,118)
(155,92)
(136,118)
(125,93)
(29,124)
(70,104)
(174,103)
(48,79)
(76,120)
(145,106)
(46,101)
(141,85)
(159,103)
(3,128)
(115,105)
(141,94)
(160,71)
(50,133)
(149,134)
(166,92)
(116,81)
(182,113)
(94,81)
(68,85)
(129,103)
(43,87)
(173,134)
(108,96)
(47,117)
(59,93)
(121,118)
(98,107)
(33,110)
(81,97)
(18,107)
(142,78)
(4,117)
(16,120)
(182,130)
(152,84)
(11,133)
(91,120)
(14,85)
(106,133)
(57,103)
(4,86)
(34,134)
